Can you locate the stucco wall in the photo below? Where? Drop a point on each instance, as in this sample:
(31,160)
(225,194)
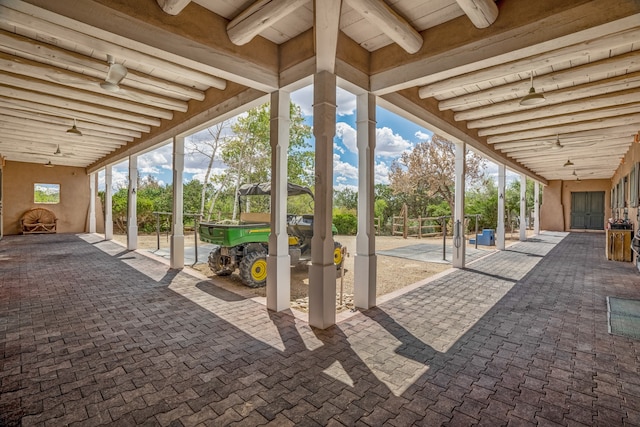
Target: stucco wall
(555,211)
(19,179)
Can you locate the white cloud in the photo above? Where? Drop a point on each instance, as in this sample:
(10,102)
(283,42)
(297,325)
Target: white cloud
(346,101)
(389,144)
(423,136)
(343,169)
(348,136)
(337,148)
(381,173)
(340,187)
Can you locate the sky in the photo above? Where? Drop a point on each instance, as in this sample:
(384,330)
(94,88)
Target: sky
(394,135)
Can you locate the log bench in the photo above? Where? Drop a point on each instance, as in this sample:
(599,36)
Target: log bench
(38,220)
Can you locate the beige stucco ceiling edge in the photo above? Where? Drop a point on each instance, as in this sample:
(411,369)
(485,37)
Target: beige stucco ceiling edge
(425,112)
(214,109)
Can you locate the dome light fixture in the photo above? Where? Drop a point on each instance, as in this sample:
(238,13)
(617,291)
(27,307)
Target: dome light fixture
(532,98)
(48,164)
(57,152)
(568,163)
(74,129)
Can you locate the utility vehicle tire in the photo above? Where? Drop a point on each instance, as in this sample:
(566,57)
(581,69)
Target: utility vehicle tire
(253,269)
(216,263)
(337,255)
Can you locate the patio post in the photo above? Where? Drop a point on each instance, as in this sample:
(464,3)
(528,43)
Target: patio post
(523,207)
(177,226)
(108,203)
(365,260)
(132,215)
(92,203)
(536,208)
(279,261)
(458,259)
(322,272)
(500,232)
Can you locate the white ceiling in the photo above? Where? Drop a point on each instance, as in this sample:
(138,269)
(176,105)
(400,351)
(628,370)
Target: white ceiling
(54,56)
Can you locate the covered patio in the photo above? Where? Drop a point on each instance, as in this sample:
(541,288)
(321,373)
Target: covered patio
(117,338)
(94,334)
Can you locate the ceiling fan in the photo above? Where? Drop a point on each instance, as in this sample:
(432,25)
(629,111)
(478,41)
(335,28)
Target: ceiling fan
(116,73)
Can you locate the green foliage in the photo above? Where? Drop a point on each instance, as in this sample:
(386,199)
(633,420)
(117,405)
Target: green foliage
(345,199)
(346,221)
(46,196)
(483,200)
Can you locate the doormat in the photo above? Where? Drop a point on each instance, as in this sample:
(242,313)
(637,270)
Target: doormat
(624,317)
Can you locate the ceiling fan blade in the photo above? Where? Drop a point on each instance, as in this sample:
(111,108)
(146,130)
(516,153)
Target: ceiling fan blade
(116,73)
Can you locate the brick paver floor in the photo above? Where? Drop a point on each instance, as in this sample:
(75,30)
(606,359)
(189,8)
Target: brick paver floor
(92,334)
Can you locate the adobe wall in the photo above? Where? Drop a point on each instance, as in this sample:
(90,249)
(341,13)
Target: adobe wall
(555,211)
(19,179)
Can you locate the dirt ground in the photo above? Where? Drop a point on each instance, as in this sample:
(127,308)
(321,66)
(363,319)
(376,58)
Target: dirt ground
(392,273)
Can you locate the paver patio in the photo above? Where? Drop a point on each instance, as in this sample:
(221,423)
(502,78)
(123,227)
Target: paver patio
(93,334)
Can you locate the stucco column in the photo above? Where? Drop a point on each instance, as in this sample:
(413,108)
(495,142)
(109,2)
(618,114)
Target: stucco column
(322,273)
(92,202)
(132,214)
(536,208)
(177,227)
(459,244)
(365,259)
(523,207)
(279,261)
(108,204)
(500,232)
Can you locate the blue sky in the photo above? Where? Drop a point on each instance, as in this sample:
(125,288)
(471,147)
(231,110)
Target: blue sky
(394,135)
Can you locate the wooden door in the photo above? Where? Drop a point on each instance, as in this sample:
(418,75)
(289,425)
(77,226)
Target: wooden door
(587,210)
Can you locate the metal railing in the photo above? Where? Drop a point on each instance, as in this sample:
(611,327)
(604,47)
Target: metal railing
(196,221)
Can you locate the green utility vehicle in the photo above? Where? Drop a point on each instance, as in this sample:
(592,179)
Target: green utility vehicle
(245,246)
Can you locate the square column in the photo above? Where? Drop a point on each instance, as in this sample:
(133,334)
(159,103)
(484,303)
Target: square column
(500,232)
(459,246)
(536,208)
(322,273)
(108,203)
(177,226)
(523,207)
(92,202)
(279,261)
(365,259)
(132,214)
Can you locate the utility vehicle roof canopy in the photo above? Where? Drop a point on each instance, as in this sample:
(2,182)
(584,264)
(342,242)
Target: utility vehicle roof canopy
(264,189)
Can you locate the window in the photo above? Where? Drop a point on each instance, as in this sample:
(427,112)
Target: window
(46,193)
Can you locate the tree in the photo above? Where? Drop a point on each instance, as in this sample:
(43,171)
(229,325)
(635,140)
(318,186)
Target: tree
(248,153)
(208,147)
(346,198)
(428,171)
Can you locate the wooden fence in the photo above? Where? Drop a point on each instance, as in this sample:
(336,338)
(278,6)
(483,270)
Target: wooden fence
(415,227)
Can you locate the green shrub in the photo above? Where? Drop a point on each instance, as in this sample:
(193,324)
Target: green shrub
(346,222)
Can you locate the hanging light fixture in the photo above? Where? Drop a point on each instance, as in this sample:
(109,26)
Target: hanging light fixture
(568,163)
(48,164)
(74,129)
(57,152)
(556,145)
(532,98)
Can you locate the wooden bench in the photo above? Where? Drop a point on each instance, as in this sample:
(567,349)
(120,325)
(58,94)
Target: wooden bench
(38,220)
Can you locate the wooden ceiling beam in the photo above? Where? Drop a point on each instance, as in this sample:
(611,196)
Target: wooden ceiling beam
(561,120)
(615,132)
(80,116)
(327,22)
(50,119)
(594,71)
(470,81)
(536,147)
(259,16)
(482,13)
(173,7)
(61,129)
(51,74)
(26,48)
(454,50)
(62,92)
(569,101)
(45,149)
(86,138)
(41,98)
(627,120)
(21,20)
(396,27)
